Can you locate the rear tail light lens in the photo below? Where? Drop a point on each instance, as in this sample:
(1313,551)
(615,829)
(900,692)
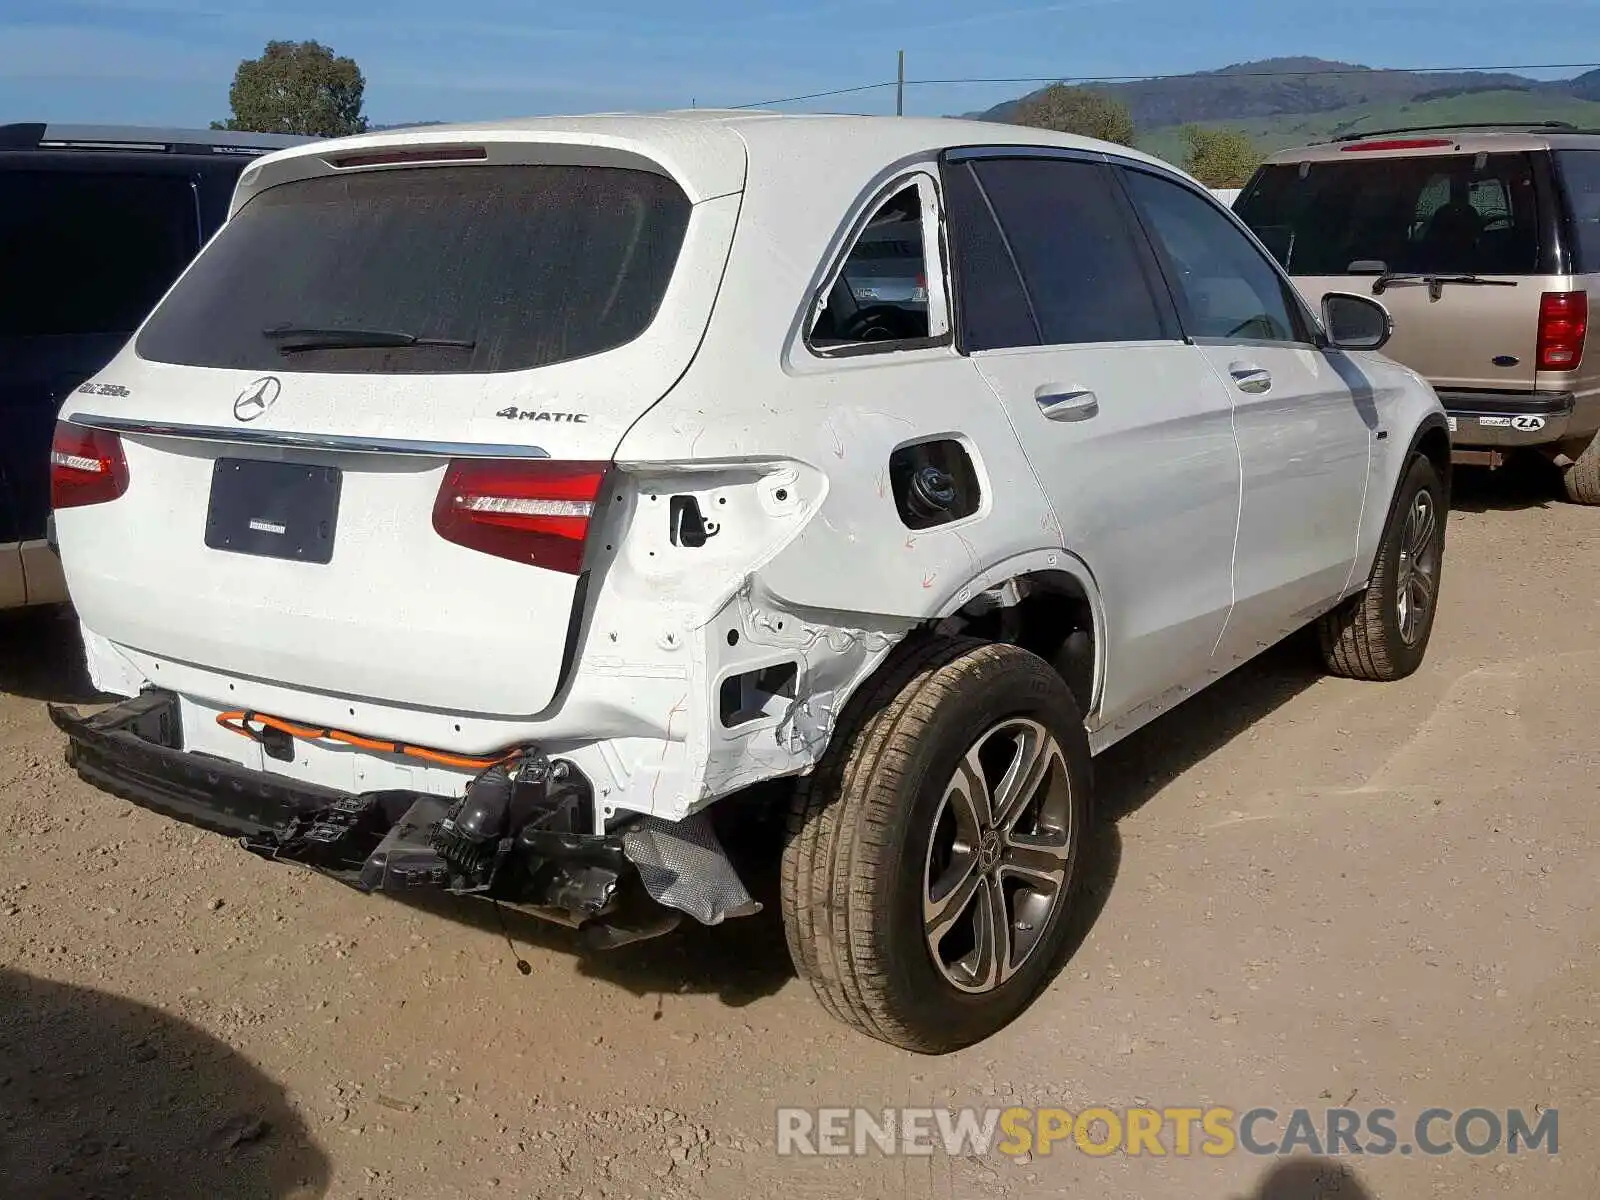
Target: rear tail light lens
(528,511)
(86,467)
(1563,326)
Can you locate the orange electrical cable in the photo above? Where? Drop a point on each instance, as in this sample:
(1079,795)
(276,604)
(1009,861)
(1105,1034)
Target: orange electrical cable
(240,720)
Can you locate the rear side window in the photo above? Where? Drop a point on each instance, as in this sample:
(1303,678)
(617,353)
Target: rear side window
(1081,265)
(1580,173)
(85,252)
(994,310)
(1443,214)
(881,294)
(429,270)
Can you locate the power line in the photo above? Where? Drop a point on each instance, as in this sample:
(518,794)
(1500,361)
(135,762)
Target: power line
(865,87)
(1217,75)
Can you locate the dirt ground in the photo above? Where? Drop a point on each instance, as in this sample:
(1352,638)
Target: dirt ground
(1307,892)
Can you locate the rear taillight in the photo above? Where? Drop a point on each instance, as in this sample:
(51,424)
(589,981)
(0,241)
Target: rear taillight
(1563,325)
(530,511)
(86,467)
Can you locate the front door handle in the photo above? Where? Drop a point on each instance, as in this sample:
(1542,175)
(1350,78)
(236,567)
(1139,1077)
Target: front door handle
(1249,378)
(1067,404)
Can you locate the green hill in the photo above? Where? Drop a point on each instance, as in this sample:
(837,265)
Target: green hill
(1290,101)
(1291,129)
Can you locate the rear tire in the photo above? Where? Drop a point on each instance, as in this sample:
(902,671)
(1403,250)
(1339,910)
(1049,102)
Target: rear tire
(897,871)
(1382,634)
(1581,480)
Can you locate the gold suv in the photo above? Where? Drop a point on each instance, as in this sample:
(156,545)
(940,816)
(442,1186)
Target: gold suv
(1484,244)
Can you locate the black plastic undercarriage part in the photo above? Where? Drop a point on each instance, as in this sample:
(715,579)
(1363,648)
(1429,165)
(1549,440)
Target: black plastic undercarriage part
(520,835)
(523,834)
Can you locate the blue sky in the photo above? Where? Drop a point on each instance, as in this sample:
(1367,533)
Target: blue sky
(170,61)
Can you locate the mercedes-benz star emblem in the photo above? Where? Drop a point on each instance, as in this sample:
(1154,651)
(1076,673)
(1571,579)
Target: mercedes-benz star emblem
(257,398)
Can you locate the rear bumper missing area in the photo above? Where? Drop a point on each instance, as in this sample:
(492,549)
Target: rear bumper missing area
(525,838)
(134,750)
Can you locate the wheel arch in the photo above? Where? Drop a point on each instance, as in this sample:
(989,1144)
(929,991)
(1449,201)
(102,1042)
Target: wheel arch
(1431,439)
(1049,594)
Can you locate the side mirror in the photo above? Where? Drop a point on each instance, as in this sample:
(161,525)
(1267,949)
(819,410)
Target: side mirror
(1356,322)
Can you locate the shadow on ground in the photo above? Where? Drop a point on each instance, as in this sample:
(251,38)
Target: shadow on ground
(1133,771)
(41,657)
(1525,481)
(103,1097)
(1310,1179)
(740,961)
(744,960)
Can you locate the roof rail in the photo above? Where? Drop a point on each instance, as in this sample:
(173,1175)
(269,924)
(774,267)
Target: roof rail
(1564,126)
(37,135)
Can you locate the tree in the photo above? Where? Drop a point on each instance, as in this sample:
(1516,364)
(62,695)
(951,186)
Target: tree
(1220,158)
(1077,110)
(297,87)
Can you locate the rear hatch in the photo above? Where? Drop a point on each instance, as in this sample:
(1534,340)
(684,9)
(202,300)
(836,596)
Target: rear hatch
(1452,243)
(364,434)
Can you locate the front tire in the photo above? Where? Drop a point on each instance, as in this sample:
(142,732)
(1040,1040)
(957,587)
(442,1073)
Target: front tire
(1382,634)
(1581,481)
(932,855)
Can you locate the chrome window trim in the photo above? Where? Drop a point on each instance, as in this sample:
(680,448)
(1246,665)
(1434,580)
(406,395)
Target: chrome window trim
(304,441)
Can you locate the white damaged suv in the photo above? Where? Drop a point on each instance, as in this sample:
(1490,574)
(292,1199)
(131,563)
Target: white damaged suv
(484,503)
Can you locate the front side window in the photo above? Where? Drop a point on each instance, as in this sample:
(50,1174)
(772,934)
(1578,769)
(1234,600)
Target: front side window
(1460,214)
(1226,288)
(87,252)
(429,270)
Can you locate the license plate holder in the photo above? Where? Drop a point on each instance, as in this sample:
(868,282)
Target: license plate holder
(273,509)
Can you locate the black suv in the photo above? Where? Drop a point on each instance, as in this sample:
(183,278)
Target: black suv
(95,224)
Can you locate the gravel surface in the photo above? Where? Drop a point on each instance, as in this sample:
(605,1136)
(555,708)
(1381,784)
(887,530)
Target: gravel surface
(1307,891)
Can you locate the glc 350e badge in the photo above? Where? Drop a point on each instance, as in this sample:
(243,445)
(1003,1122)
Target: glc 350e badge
(257,398)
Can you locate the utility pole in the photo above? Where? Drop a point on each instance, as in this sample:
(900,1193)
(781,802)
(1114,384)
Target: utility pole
(900,88)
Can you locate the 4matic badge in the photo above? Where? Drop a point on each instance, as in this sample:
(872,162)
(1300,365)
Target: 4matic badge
(525,414)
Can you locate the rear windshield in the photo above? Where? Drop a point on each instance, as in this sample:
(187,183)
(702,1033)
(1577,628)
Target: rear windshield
(1453,214)
(488,268)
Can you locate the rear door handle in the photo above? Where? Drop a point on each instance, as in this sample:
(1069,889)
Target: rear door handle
(1067,404)
(1248,377)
